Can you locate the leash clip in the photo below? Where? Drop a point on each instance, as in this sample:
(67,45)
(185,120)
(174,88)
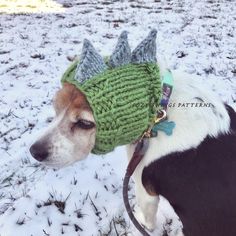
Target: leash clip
(160,116)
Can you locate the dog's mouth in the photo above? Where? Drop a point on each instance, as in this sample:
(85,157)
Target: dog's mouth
(56,164)
(47,158)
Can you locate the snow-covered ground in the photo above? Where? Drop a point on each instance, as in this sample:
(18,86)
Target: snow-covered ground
(85,199)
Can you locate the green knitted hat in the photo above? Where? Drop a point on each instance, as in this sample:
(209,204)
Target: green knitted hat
(124,93)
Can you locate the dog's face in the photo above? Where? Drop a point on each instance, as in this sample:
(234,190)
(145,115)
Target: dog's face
(71,136)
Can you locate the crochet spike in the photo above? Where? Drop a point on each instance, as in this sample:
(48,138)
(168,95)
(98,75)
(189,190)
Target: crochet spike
(91,63)
(122,53)
(146,50)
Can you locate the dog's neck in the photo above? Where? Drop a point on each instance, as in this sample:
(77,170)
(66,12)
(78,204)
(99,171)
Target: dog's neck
(197,112)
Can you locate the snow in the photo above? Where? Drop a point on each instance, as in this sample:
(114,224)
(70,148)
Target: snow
(198,37)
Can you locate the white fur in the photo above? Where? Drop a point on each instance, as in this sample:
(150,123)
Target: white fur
(193,124)
(147,205)
(66,147)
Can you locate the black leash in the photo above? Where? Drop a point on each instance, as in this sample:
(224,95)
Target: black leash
(139,153)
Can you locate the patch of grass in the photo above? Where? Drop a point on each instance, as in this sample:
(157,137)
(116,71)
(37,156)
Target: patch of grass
(20,221)
(96,211)
(117,227)
(45,233)
(77,228)
(74,181)
(49,222)
(79,213)
(52,200)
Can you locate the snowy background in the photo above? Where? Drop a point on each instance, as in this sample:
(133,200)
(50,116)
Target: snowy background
(85,199)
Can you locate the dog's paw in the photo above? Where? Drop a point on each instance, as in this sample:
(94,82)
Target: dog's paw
(147,223)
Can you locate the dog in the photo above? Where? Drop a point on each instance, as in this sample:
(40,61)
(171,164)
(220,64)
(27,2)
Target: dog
(194,168)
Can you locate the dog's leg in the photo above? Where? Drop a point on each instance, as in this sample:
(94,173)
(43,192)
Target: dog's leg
(147,204)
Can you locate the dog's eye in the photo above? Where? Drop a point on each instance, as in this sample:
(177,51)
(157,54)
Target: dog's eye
(84,124)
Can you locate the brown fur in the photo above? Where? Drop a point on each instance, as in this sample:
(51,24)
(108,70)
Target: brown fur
(70,98)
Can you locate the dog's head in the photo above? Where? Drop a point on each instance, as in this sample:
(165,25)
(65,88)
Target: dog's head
(71,136)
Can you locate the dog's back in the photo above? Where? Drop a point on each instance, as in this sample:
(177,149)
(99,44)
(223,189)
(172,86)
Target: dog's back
(200,184)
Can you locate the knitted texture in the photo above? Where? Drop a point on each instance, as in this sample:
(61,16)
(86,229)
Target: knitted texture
(122,53)
(91,63)
(146,50)
(124,101)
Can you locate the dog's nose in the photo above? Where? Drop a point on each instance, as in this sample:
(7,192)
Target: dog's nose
(39,151)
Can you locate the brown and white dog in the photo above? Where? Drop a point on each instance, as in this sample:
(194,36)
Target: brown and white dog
(194,168)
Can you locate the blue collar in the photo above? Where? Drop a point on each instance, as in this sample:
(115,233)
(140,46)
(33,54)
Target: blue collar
(163,124)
